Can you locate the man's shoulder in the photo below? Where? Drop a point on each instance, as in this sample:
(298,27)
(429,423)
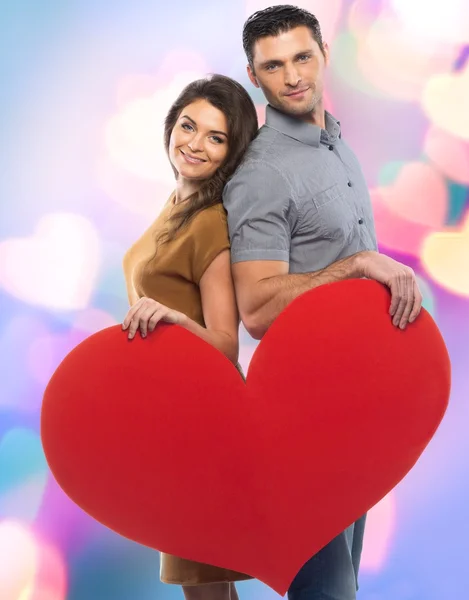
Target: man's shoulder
(266,147)
(262,159)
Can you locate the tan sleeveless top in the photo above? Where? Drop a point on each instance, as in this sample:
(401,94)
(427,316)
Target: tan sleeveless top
(172,275)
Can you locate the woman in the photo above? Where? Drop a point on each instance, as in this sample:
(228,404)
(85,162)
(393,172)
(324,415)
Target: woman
(179,270)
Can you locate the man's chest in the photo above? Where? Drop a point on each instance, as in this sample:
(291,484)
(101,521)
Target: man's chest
(331,193)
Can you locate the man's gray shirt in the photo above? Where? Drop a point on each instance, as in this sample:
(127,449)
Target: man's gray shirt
(299,196)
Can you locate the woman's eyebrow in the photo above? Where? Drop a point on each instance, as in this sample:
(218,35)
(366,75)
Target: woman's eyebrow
(211,131)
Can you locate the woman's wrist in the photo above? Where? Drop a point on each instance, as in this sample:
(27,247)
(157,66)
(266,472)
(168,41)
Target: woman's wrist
(183,320)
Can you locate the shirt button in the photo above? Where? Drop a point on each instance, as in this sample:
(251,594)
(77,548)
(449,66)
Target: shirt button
(349,184)
(331,147)
(360,221)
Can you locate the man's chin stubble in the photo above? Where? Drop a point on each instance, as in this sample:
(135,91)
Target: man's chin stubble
(300,110)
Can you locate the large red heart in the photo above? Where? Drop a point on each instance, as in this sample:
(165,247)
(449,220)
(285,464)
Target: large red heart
(161,440)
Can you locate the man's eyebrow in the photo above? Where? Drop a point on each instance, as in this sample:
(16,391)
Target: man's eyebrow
(271,62)
(278,62)
(211,131)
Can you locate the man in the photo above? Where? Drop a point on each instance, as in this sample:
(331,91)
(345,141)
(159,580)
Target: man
(300,216)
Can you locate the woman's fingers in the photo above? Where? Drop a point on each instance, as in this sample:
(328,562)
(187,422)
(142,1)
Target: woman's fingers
(129,316)
(146,314)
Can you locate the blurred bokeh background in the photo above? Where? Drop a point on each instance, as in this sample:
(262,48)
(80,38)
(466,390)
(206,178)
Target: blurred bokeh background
(84,90)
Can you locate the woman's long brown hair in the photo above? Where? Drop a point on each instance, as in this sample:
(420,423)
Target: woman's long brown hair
(233,100)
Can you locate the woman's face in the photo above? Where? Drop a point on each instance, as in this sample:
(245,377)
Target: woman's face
(199,141)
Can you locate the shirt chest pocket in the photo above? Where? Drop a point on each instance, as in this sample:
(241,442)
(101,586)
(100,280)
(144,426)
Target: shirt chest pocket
(334,213)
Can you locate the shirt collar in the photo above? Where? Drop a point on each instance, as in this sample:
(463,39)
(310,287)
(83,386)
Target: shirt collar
(307,133)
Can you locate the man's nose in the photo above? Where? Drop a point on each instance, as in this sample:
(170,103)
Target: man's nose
(292,78)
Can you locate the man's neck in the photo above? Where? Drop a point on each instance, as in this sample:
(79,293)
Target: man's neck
(316,117)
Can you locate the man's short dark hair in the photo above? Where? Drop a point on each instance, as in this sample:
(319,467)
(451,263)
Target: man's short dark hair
(275,20)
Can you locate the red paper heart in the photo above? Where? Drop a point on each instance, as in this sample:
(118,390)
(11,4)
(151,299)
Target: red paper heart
(161,440)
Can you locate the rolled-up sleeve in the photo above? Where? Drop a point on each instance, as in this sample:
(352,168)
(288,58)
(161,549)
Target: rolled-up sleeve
(261,213)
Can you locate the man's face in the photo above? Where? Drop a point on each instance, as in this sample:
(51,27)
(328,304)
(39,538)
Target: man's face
(289,69)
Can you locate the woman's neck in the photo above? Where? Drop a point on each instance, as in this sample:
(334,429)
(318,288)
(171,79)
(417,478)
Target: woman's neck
(185,188)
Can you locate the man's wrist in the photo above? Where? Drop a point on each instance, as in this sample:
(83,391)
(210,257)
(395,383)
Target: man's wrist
(359,264)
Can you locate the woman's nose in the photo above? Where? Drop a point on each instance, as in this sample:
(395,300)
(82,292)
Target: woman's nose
(196,143)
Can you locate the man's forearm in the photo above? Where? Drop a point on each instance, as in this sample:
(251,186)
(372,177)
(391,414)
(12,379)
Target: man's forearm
(274,294)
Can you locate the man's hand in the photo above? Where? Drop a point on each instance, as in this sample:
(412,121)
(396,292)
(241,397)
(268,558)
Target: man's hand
(145,315)
(406,297)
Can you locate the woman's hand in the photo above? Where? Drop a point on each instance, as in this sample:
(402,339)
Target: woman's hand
(146,314)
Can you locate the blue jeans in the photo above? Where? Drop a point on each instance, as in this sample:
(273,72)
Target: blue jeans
(331,574)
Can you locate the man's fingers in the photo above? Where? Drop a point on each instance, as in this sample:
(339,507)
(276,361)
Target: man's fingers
(402,301)
(400,311)
(407,311)
(395,297)
(408,287)
(418,299)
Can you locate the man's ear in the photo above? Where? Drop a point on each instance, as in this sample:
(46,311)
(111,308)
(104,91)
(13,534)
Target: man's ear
(326,54)
(252,76)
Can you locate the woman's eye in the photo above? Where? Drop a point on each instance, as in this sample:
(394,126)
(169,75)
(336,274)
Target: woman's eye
(186,126)
(217,139)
